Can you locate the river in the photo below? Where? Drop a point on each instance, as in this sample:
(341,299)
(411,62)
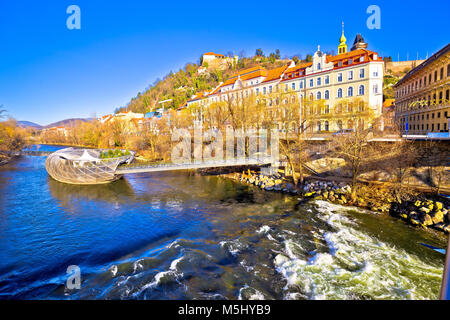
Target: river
(181,235)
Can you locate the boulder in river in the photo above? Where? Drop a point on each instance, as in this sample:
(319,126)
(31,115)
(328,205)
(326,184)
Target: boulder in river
(438,217)
(427,220)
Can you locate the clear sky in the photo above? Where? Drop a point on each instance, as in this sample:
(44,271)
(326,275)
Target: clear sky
(49,73)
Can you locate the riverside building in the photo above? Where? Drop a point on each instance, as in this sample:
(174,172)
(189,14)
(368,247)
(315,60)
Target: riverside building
(422,102)
(350,82)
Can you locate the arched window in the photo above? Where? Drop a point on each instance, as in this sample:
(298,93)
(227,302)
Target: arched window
(339,93)
(350,92)
(327,94)
(319,126)
(361,90)
(319,95)
(339,124)
(327,126)
(311,97)
(318,66)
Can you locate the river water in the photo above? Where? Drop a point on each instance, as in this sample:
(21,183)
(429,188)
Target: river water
(181,235)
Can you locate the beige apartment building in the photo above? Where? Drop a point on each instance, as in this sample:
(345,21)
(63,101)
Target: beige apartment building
(422,103)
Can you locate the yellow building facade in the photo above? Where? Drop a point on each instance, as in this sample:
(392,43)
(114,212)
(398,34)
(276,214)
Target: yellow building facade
(422,96)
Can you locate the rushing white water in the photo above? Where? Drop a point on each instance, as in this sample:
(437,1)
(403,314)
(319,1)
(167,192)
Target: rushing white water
(248,293)
(356,266)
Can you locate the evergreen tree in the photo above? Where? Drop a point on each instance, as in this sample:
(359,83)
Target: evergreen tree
(259,53)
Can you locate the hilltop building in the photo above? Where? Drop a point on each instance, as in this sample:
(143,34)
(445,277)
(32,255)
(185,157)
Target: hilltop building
(334,80)
(211,60)
(422,102)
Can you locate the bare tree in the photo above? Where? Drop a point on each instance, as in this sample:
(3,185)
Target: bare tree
(437,162)
(353,146)
(2,112)
(283,109)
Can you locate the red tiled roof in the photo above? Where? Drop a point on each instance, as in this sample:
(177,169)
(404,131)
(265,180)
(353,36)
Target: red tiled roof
(213,54)
(388,103)
(247,74)
(274,74)
(197,96)
(302,65)
(354,53)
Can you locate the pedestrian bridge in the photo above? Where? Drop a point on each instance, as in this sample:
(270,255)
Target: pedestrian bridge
(204,164)
(93,166)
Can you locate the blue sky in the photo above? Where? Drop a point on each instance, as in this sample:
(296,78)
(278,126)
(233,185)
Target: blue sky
(49,73)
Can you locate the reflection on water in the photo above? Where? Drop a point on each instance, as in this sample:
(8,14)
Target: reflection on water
(184,236)
(119,191)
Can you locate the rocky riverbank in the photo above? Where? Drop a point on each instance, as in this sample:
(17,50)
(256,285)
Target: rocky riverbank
(418,211)
(4,159)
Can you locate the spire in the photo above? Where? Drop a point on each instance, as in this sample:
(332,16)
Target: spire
(342,48)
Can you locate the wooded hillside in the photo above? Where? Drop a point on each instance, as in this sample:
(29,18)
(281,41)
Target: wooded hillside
(180,86)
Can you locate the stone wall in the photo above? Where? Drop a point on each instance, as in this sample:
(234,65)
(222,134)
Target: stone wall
(400,66)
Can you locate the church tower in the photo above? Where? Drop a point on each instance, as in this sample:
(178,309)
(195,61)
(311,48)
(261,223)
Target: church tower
(342,48)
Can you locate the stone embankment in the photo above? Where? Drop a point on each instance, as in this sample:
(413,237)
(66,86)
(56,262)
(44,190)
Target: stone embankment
(420,211)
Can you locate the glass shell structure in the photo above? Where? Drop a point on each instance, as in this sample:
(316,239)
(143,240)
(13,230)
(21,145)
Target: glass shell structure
(84,166)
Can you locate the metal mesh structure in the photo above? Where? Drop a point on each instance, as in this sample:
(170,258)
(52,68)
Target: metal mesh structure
(83,166)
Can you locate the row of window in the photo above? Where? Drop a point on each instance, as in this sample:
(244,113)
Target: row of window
(326,79)
(340,92)
(339,108)
(318,81)
(426,127)
(422,102)
(339,123)
(318,95)
(422,82)
(417,117)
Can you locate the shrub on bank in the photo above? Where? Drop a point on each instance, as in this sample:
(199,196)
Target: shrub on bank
(114,153)
(12,137)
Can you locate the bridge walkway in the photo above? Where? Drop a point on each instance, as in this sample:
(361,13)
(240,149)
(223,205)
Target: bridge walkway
(133,168)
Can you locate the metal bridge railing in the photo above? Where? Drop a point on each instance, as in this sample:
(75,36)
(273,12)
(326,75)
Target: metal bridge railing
(205,163)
